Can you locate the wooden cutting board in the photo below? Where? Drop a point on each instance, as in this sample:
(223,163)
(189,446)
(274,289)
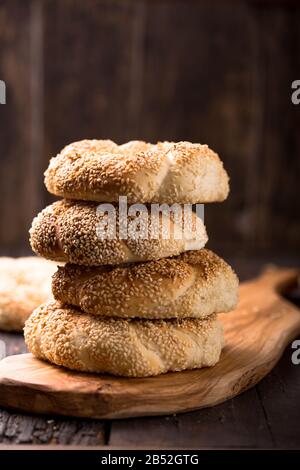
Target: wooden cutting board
(256,334)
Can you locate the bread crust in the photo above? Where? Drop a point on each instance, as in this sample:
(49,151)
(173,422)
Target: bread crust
(24,284)
(66,231)
(168,172)
(194,284)
(130,348)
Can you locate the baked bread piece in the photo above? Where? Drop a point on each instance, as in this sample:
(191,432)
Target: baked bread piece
(100,170)
(25,283)
(193,284)
(131,348)
(66,231)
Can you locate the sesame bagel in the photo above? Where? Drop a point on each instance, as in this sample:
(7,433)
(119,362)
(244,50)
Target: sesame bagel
(193,284)
(67,231)
(24,284)
(131,348)
(101,170)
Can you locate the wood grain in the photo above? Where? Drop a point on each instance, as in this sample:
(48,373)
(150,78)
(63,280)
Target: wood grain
(39,430)
(89,71)
(238,422)
(282,409)
(124,70)
(256,334)
(19,185)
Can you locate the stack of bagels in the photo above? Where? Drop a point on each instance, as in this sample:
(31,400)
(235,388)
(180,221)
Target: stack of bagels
(131,306)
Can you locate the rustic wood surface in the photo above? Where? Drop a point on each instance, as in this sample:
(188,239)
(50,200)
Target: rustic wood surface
(256,334)
(265,416)
(215,72)
(121,79)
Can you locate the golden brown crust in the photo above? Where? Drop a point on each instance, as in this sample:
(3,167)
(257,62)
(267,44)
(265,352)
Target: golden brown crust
(193,284)
(100,170)
(66,231)
(24,284)
(132,348)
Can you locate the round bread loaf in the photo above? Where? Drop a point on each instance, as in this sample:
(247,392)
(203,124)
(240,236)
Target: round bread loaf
(67,231)
(25,283)
(193,284)
(131,348)
(100,170)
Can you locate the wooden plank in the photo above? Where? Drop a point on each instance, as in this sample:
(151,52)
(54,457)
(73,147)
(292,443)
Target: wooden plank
(277,161)
(231,417)
(19,191)
(265,417)
(279,394)
(123,70)
(231,92)
(247,142)
(208,95)
(238,423)
(14,343)
(31,429)
(91,71)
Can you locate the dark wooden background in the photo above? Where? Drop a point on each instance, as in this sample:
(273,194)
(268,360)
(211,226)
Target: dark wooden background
(211,72)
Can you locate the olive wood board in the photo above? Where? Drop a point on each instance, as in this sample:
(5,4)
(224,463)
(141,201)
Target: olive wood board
(256,334)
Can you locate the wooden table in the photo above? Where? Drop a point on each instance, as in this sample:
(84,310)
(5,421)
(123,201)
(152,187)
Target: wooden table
(266,416)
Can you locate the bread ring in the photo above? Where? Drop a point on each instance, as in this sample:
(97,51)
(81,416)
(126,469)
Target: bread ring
(24,284)
(66,231)
(131,348)
(193,284)
(100,170)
